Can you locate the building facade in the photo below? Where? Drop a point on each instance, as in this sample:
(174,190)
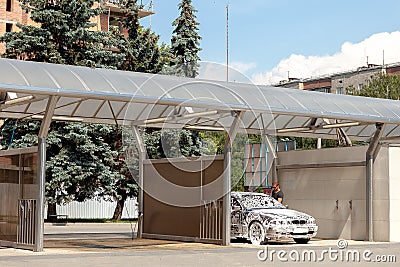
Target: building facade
(11,13)
(338,83)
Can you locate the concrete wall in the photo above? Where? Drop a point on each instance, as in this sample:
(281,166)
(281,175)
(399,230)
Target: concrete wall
(381,200)
(330,185)
(394,193)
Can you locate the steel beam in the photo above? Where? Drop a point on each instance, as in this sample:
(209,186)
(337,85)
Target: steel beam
(48,115)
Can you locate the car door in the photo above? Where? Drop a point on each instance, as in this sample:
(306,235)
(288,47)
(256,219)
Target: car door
(236,218)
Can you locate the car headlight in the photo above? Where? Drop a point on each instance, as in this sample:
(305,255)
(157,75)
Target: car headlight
(280,222)
(275,222)
(311,221)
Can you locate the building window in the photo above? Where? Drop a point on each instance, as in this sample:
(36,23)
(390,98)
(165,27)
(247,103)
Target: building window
(322,89)
(360,85)
(9,5)
(339,91)
(9,27)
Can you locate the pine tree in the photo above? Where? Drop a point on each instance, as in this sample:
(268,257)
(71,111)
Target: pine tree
(185,42)
(80,164)
(173,143)
(63,35)
(79,160)
(140,45)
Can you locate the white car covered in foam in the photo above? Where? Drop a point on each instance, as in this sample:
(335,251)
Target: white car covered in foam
(259,218)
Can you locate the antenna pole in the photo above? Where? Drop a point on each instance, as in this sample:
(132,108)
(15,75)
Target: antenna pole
(227,41)
(151,15)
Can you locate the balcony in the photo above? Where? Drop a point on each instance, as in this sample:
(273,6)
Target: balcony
(113,6)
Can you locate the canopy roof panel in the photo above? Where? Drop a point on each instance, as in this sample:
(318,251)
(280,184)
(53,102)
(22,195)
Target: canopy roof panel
(118,97)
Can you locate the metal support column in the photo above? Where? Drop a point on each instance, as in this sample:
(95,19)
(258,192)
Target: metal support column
(41,200)
(226,209)
(142,157)
(44,129)
(370,157)
(272,150)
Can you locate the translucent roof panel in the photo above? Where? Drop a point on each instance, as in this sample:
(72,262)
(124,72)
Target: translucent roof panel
(110,96)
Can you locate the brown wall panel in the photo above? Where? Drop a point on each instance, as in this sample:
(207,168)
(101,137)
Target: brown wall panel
(162,219)
(173,194)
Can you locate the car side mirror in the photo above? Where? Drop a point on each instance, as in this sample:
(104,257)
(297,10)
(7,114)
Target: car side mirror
(236,208)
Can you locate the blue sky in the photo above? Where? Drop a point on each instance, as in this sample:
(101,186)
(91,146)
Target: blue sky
(269,38)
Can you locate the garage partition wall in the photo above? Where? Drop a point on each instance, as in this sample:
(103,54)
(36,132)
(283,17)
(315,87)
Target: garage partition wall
(183,199)
(18,197)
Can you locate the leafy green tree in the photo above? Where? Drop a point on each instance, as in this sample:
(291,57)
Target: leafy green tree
(380,86)
(185,42)
(63,35)
(304,143)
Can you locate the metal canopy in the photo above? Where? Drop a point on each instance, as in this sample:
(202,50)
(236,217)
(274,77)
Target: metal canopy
(118,97)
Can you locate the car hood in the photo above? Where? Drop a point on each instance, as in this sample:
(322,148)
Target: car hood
(281,213)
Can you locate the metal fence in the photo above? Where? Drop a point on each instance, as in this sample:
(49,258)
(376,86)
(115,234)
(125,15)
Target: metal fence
(27,219)
(211,221)
(97,209)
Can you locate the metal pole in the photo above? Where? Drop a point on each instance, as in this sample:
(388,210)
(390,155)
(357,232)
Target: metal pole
(142,157)
(369,198)
(40,201)
(370,155)
(226,218)
(44,129)
(227,41)
(226,210)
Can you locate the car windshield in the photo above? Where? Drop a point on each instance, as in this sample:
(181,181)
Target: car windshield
(260,201)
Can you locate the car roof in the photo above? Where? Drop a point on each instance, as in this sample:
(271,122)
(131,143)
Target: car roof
(240,194)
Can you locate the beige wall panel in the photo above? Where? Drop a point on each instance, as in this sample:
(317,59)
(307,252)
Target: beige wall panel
(394,193)
(381,230)
(330,155)
(316,190)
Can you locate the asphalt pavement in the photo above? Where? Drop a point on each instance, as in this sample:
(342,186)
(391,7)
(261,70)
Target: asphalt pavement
(116,245)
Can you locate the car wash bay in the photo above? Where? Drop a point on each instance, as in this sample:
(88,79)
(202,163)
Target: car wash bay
(50,92)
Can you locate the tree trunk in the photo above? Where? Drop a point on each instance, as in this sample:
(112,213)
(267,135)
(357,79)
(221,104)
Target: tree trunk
(119,208)
(51,210)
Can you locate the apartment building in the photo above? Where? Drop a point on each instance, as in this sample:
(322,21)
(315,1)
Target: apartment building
(337,83)
(11,13)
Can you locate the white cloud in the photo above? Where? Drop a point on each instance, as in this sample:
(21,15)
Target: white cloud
(217,71)
(350,57)
(242,66)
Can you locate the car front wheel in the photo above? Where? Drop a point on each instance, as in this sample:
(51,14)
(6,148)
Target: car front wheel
(256,233)
(301,240)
